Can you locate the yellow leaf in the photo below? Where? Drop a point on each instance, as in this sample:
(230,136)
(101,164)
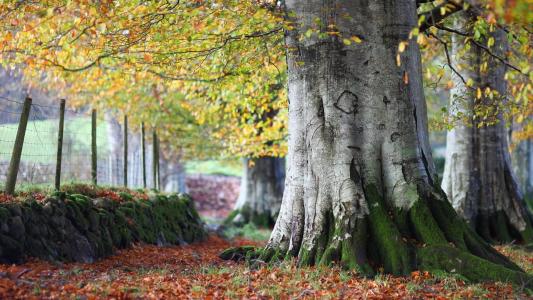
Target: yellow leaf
(356,39)
(449,84)
(401,47)
(30,62)
(346,42)
(421,39)
(490,42)
(8,37)
(421,19)
(414,32)
(478,94)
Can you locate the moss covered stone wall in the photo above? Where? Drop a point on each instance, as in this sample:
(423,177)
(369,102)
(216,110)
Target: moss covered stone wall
(74,227)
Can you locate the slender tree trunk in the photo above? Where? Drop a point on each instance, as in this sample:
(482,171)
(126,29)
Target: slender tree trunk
(360,186)
(261,191)
(478,175)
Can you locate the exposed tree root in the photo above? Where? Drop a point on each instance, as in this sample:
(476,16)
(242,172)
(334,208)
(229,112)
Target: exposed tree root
(474,268)
(429,236)
(496,228)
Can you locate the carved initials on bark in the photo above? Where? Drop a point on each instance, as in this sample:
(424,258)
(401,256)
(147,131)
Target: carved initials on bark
(347,102)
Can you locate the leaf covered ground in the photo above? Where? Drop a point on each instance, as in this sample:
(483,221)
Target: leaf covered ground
(196,272)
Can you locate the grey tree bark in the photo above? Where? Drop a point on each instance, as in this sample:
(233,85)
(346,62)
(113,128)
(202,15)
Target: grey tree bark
(478,175)
(523,165)
(360,188)
(261,191)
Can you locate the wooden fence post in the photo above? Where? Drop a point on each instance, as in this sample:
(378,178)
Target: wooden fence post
(14,164)
(155,158)
(158,166)
(125,150)
(143,150)
(93,149)
(60,143)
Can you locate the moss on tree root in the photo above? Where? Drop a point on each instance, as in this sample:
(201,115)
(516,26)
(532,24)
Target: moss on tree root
(428,236)
(472,267)
(240,253)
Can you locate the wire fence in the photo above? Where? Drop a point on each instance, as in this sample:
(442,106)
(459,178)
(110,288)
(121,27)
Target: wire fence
(38,158)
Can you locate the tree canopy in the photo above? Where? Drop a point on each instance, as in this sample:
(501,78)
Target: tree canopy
(198,69)
(203,70)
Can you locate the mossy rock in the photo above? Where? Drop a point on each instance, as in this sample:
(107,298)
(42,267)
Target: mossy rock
(125,196)
(36,248)
(75,227)
(83,201)
(94,220)
(12,250)
(4,213)
(14,209)
(76,216)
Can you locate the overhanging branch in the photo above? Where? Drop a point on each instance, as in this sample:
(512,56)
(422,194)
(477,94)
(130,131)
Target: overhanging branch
(436,15)
(483,47)
(446,51)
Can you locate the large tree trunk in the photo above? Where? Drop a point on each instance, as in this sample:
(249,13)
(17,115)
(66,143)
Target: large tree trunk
(478,175)
(360,186)
(261,191)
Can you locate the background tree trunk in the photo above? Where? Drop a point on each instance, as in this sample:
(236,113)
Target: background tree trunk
(261,191)
(360,186)
(172,171)
(478,175)
(172,175)
(523,165)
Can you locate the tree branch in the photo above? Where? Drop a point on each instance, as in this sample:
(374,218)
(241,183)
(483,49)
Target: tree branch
(176,78)
(483,47)
(55,64)
(435,16)
(448,57)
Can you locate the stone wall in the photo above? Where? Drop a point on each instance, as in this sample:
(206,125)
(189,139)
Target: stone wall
(74,227)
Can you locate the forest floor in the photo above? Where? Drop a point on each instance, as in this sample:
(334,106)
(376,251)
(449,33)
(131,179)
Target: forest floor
(195,272)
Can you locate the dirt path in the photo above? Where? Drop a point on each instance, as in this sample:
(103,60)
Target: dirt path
(195,271)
